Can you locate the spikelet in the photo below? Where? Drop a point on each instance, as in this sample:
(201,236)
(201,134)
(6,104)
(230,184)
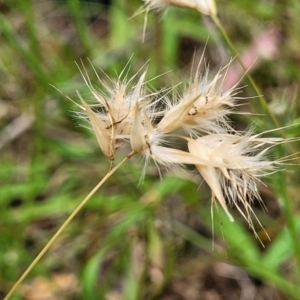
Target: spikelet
(242,157)
(105,140)
(120,104)
(231,162)
(148,141)
(115,115)
(203,107)
(206,7)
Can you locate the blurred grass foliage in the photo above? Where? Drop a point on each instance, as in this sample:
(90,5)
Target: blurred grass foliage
(134,241)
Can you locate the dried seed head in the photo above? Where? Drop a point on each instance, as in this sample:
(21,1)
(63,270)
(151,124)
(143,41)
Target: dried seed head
(120,102)
(175,116)
(206,7)
(147,140)
(242,163)
(203,107)
(139,137)
(231,164)
(104,138)
(115,111)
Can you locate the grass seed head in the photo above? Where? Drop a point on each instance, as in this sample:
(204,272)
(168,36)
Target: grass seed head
(202,107)
(206,7)
(242,163)
(231,164)
(139,137)
(116,111)
(104,137)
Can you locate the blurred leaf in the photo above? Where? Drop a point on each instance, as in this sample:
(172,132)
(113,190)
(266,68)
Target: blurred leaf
(280,249)
(90,276)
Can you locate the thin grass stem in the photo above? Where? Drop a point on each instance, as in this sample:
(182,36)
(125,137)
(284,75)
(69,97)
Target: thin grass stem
(65,224)
(257,90)
(287,208)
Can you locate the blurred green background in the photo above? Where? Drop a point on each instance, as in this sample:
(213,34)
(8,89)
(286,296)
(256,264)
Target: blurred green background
(155,240)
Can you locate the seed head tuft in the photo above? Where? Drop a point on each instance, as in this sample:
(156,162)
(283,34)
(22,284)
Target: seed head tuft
(154,125)
(242,163)
(204,107)
(206,7)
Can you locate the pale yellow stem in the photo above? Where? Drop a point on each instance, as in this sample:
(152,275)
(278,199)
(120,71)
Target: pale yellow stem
(65,224)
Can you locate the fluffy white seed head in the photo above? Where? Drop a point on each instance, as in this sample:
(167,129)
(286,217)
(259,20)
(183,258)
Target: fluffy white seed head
(104,137)
(113,114)
(120,102)
(202,107)
(242,164)
(231,164)
(148,141)
(206,7)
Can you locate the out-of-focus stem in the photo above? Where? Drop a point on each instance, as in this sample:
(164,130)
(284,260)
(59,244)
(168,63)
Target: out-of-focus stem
(254,85)
(287,207)
(262,99)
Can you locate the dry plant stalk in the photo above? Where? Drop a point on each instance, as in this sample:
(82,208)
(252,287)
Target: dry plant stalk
(231,162)
(206,7)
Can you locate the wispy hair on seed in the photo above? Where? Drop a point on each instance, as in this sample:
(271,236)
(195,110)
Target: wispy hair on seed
(231,162)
